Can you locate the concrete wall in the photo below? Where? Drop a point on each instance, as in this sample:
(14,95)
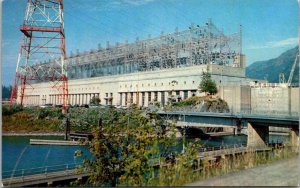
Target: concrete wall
(122,89)
(275,100)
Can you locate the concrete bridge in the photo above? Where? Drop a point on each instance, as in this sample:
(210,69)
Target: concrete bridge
(257,124)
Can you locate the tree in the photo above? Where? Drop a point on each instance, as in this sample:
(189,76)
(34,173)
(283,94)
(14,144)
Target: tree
(207,84)
(6,91)
(124,144)
(95,100)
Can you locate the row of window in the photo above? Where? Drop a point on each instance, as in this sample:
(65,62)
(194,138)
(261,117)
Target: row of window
(155,84)
(156,98)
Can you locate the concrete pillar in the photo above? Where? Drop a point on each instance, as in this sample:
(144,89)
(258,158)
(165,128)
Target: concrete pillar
(258,135)
(152,97)
(189,94)
(88,98)
(134,98)
(140,98)
(181,93)
(159,96)
(294,136)
(146,98)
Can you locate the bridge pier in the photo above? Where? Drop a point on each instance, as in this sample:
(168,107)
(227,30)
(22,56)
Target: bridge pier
(258,136)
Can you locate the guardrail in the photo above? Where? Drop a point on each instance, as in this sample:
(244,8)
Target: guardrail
(39,170)
(266,114)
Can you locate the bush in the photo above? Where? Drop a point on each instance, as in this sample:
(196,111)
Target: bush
(7,110)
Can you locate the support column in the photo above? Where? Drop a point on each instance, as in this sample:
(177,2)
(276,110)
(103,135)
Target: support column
(146,98)
(140,98)
(88,98)
(134,98)
(294,136)
(181,93)
(189,94)
(83,98)
(152,97)
(258,136)
(159,97)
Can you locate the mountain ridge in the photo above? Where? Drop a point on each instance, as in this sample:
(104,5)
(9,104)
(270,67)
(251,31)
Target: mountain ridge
(270,69)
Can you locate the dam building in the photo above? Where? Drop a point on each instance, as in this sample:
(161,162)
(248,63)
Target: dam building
(156,69)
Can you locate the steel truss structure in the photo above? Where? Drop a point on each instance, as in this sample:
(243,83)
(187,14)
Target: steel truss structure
(195,46)
(43,39)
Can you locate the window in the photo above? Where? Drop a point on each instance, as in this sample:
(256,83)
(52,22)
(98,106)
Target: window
(149,96)
(193,82)
(126,100)
(143,98)
(155,96)
(163,98)
(177,92)
(162,84)
(184,82)
(106,94)
(111,94)
(185,94)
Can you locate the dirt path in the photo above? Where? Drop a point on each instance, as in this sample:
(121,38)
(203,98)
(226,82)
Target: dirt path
(279,173)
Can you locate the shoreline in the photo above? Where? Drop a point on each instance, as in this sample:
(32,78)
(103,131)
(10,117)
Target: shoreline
(31,134)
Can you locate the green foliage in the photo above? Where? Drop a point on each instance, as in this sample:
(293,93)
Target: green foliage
(207,84)
(95,100)
(10,110)
(43,113)
(124,145)
(6,91)
(188,102)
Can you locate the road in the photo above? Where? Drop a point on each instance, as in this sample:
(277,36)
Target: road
(279,173)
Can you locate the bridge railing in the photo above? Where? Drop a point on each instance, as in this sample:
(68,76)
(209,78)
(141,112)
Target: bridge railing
(215,148)
(281,114)
(39,170)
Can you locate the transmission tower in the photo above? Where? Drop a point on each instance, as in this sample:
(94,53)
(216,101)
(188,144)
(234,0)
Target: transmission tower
(42,50)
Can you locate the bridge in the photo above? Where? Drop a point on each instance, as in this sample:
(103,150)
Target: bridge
(257,124)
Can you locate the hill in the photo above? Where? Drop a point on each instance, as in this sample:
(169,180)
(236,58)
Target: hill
(271,69)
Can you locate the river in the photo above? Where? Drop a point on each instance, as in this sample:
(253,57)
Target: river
(18,154)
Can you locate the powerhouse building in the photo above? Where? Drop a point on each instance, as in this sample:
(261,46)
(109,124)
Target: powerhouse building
(156,69)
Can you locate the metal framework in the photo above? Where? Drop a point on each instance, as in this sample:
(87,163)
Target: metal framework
(195,46)
(43,39)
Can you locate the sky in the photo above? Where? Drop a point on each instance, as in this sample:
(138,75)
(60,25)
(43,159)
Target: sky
(269,27)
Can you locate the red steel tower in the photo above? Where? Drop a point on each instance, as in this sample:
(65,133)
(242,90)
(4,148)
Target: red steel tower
(42,50)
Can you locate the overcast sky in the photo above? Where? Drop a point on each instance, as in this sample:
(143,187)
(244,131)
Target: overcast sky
(269,26)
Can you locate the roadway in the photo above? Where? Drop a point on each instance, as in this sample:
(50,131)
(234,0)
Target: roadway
(280,173)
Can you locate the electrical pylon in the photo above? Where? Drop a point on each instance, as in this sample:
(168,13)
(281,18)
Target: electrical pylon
(42,50)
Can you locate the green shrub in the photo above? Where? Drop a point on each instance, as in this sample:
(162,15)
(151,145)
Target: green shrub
(10,110)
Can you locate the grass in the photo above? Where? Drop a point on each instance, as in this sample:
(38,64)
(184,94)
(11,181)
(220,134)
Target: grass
(179,174)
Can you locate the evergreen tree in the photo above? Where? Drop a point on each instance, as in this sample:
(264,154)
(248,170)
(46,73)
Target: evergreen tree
(6,91)
(207,84)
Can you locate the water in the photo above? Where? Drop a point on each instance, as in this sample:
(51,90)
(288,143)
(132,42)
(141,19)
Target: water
(18,154)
